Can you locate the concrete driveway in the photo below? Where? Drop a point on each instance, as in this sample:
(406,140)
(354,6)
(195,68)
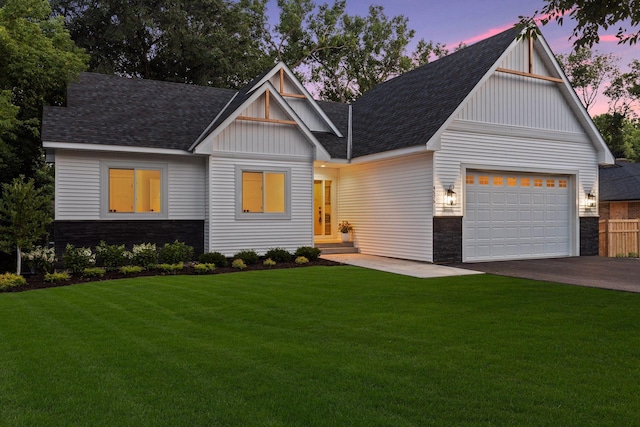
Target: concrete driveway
(621,274)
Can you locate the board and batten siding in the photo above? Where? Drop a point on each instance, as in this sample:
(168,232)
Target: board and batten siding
(229,234)
(78,185)
(390,204)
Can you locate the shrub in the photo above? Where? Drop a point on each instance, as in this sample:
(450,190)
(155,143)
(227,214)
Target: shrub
(204,268)
(269,262)
(213,258)
(10,280)
(302,260)
(170,268)
(176,252)
(77,259)
(249,257)
(93,272)
(112,256)
(633,255)
(278,255)
(40,259)
(145,254)
(56,277)
(131,269)
(308,252)
(239,264)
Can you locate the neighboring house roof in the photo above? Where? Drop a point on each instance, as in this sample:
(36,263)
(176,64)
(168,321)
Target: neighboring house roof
(620,182)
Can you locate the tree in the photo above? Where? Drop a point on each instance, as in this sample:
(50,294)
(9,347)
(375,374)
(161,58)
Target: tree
(624,90)
(25,212)
(38,60)
(206,42)
(593,15)
(587,70)
(621,134)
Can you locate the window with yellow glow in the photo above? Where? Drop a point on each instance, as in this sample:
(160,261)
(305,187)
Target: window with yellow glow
(483,180)
(512,182)
(537,182)
(525,182)
(470,179)
(497,180)
(562,183)
(263,192)
(134,191)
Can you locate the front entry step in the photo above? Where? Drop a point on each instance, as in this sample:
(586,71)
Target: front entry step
(337,248)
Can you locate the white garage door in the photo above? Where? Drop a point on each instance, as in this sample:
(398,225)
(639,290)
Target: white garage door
(516,216)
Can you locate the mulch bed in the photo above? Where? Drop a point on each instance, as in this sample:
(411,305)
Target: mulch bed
(36,281)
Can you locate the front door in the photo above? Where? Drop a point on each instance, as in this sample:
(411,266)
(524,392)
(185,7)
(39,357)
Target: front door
(322,208)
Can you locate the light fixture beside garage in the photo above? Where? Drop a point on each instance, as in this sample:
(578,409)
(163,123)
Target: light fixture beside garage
(450,197)
(591,201)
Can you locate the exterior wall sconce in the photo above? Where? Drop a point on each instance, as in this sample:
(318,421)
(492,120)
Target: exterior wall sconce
(450,197)
(591,201)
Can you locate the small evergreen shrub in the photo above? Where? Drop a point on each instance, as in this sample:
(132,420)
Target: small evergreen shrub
(145,254)
(10,280)
(170,268)
(40,259)
(56,277)
(93,272)
(174,253)
(269,262)
(131,269)
(112,256)
(77,259)
(249,257)
(302,260)
(308,252)
(213,258)
(204,268)
(239,264)
(278,255)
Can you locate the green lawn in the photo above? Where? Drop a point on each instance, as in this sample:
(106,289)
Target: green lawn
(320,346)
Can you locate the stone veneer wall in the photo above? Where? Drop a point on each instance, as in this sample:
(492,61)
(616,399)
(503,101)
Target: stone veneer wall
(589,235)
(447,239)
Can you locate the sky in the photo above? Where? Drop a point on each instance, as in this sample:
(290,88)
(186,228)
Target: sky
(454,21)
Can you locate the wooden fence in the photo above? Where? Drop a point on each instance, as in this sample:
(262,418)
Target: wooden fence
(619,237)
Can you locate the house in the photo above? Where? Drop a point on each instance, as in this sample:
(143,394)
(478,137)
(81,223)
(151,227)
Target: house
(485,154)
(620,190)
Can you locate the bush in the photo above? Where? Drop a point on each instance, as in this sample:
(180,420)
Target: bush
(174,253)
(145,254)
(213,258)
(249,257)
(40,259)
(308,252)
(170,268)
(239,264)
(77,259)
(269,262)
(204,268)
(112,256)
(302,260)
(56,277)
(93,272)
(131,269)
(278,255)
(10,280)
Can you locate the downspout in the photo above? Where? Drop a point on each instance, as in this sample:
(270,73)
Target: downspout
(350,134)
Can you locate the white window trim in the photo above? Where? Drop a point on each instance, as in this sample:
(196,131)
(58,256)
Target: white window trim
(240,215)
(104,190)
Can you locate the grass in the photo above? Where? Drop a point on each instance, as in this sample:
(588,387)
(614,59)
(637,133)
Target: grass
(319,346)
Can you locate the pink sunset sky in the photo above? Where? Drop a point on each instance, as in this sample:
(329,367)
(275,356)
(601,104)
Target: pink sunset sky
(468,21)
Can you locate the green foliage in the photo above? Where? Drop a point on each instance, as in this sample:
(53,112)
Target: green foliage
(170,268)
(56,277)
(308,252)
(93,272)
(145,254)
(215,258)
(302,260)
(77,259)
(269,262)
(40,259)
(204,268)
(633,254)
(173,253)
(24,216)
(249,257)
(622,135)
(10,280)
(239,264)
(278,255)
(131,269)
(112,256)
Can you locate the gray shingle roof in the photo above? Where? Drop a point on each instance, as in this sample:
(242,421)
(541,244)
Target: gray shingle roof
(620,182)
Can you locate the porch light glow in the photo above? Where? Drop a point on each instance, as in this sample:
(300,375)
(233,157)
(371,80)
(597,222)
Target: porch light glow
(591,201)
(450,197)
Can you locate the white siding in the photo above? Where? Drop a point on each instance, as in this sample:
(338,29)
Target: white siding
(258,110)
(78,186)
(390,204)
(230,235)
(308,114)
